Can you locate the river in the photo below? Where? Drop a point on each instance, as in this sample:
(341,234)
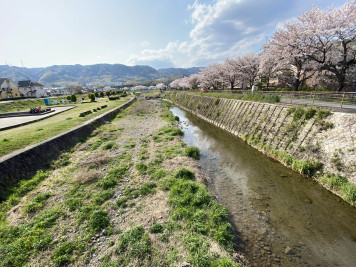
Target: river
(281,217)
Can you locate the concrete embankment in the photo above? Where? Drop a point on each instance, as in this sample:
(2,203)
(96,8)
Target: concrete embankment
(24,163)
(310,140)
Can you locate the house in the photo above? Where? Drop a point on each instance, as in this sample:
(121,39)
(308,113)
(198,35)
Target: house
(31,89)
(8,89)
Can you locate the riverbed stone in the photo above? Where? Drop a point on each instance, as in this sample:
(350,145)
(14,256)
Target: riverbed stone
(288,250)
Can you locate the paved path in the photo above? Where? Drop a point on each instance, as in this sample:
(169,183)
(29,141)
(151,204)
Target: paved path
(12,122)
(335,106)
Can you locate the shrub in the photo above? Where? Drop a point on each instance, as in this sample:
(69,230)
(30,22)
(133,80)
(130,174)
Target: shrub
(298,114)
(156,228)
(322,114)
(73,98)
(349,192)
(309,113)
(103,196)
(109,145)
(170,131)
(98,220)
(148,188)
(135,243)
(122,202)
(107,182)
(333,181)
(184,174)
(96,144)
(158,174)
(63,254)
(118,172)
(74,203)
(192,151)
(141,167)
(131,193)
(37,202)
(91,97)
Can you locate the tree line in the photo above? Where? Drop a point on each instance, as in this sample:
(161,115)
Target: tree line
(317,49)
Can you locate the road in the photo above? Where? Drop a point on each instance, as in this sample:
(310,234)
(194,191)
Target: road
(335,106)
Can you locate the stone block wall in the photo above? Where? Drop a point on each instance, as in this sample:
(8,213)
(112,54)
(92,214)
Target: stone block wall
(330,141)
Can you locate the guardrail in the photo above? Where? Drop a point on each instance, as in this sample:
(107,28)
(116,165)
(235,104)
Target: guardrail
(335,97)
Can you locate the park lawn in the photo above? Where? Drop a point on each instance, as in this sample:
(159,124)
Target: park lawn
(26,105)
(23,136)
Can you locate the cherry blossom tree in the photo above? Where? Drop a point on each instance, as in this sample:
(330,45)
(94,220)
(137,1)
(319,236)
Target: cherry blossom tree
(231,72)
(249,66)
(174,84)
(267,68)
(287,46)
(182,83)
(161,86)
(210,76)
(331,39)
(194,81)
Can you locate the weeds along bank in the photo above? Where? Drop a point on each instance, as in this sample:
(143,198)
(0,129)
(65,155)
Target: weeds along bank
(128,196)
(23,163)
(314,142)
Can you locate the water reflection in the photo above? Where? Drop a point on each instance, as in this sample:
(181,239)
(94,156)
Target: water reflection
(284,218)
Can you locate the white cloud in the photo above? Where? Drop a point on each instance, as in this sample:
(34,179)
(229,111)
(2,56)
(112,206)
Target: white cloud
(145,43)
(227,28)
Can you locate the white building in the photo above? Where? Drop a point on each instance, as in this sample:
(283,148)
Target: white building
(31,89)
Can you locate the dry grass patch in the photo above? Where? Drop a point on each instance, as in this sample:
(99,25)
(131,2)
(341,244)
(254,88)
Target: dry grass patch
(95,159)
(87,176)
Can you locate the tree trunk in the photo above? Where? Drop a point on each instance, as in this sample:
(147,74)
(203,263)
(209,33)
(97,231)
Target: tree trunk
(232,85)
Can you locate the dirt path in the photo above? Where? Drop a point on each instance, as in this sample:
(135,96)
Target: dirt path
(121,198)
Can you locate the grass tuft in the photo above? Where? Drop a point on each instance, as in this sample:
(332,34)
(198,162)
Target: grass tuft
(192,151)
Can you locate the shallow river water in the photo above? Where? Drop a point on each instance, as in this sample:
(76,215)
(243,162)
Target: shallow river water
(282,218)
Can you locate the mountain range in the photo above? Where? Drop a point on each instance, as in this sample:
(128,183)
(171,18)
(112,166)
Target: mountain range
(86,74)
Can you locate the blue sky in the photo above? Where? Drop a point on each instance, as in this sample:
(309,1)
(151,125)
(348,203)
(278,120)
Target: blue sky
(159,33)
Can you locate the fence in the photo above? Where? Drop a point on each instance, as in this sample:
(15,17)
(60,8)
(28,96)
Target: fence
(340,99)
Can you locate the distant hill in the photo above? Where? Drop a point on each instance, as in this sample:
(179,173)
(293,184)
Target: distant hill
(98,73)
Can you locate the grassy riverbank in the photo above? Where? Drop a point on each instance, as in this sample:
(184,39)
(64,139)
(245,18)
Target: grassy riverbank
(130,195)
(20,137)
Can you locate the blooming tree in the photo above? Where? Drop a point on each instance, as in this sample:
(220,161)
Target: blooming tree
(194,81)
(331,39)
(161,86)
(267,68)
(231,72)
(210,76)
(249,65)
(182,83)
(287,47)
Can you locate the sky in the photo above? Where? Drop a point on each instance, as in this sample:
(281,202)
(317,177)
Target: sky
(158,33)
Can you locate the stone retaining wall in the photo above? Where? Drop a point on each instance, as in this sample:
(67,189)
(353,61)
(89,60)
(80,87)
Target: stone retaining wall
(24,163)
(330,141)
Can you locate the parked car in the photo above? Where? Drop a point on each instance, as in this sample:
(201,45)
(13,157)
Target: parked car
(203,90)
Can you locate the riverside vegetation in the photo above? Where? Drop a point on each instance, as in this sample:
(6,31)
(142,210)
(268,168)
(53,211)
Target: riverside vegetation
(20,137)
(120,198)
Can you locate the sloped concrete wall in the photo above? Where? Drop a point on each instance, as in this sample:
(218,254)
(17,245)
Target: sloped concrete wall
(330,141)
